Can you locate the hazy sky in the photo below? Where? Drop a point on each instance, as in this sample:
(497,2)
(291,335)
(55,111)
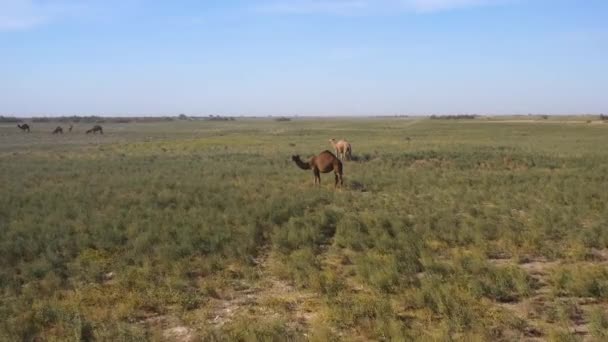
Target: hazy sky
(306,57)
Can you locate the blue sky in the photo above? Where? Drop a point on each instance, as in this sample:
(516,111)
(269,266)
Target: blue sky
(304,57)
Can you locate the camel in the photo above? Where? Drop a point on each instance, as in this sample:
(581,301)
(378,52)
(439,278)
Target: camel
(24,127)
(325,162)
(95,129)
(70,130)
(343,149)
(58,130)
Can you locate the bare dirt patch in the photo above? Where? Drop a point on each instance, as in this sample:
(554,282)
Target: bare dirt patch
(271,297)
(543,307)
(170,327)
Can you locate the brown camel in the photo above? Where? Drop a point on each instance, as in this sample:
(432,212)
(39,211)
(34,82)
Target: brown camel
(343,149)
(323,163)
(24,127)
(70,130)
(58,130)
(95,129)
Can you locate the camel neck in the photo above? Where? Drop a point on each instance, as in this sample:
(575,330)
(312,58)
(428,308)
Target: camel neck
(302,165)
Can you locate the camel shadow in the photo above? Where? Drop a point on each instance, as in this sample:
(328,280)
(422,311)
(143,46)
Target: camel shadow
(355,185)
(361,158)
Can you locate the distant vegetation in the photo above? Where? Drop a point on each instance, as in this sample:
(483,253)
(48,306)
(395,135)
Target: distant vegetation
(472,231)
(102,119)
(9,119)
(219,118)
(454,117)
(118,119)
(282,119)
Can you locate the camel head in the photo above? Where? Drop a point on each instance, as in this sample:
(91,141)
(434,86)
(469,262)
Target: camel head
(295,158)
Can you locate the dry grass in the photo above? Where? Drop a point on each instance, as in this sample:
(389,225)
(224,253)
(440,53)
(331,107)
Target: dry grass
(458,229)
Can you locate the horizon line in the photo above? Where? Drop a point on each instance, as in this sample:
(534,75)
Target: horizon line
(64,116)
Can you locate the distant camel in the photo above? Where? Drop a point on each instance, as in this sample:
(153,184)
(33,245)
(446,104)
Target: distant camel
(323,163)
(58,130)
(70,130)
(343,149)
(95,129)
(24,127)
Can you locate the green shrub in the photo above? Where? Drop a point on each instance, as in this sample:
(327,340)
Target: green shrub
(598,320)
(368,314)
(380,271)
(588,281)
(456,304)
(504,284)
(254,329)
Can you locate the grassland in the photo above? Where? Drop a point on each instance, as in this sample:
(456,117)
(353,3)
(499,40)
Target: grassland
(480,229)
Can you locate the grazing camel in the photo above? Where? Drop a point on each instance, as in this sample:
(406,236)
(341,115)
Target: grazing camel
(24,127)
(58,130)
(70,129)
(323,163)
(343,149)
(95,129)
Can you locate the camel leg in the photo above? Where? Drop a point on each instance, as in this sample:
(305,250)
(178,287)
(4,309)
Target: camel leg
(317,176)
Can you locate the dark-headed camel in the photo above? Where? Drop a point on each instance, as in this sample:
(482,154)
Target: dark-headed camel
(323,163)
(24,127)
(343,149)
(95,129)
(58,130)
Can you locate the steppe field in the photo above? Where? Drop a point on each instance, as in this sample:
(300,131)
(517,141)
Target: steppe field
(489,229)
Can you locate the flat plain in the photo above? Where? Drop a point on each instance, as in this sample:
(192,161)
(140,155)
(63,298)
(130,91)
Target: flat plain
(483,229)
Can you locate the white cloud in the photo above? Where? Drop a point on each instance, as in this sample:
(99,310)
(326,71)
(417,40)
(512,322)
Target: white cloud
(315,6)
(367,6)
(439,5)
(19,14)
(26,14)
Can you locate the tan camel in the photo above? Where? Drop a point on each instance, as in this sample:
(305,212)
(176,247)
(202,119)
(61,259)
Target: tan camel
(95,129)
(24,127)
(325,162)
(58,130)
(343,149)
